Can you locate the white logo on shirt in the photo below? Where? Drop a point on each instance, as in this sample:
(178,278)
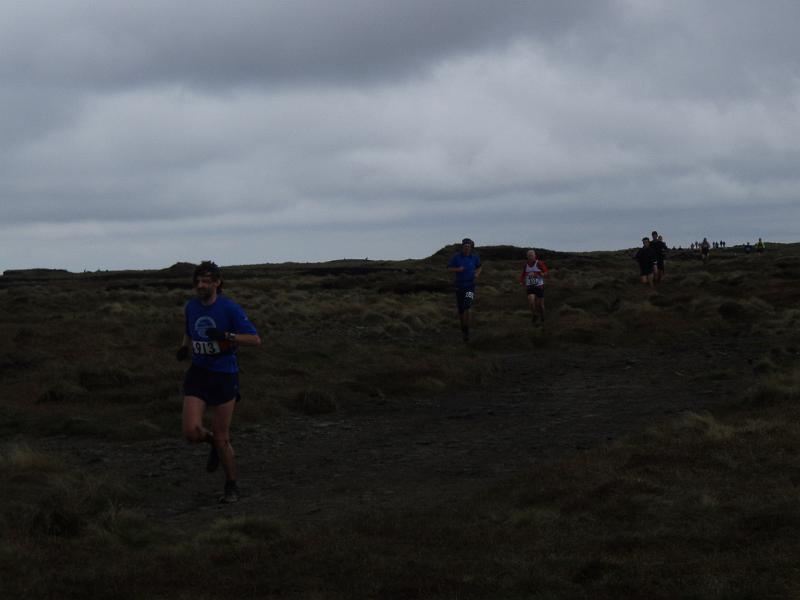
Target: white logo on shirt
(202,324)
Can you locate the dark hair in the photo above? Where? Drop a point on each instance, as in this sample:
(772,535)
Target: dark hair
(655,234)
(208,268)
(645,239)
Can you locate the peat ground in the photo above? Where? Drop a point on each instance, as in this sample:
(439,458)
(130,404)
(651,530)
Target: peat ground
(425,452)
(364,407)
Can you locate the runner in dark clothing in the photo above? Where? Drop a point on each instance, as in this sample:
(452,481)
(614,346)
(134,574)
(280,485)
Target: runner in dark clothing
(646,259)
(705,247)
(660,251)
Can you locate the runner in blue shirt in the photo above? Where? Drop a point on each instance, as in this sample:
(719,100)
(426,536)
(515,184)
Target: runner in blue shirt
(215,327)
(467,267)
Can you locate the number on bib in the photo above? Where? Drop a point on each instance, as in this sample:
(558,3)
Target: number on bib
(206,348)
(534,280)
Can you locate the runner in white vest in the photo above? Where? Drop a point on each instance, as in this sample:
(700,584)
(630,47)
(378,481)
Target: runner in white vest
(532,277)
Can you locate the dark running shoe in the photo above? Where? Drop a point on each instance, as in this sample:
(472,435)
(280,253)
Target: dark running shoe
(213,459)
(231,494)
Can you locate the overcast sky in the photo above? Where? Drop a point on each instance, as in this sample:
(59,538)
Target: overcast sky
(139,134)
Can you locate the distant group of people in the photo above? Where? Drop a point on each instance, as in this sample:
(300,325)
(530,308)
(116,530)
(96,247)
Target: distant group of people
(715,245)
(705,246)
(653,251)
(760,246)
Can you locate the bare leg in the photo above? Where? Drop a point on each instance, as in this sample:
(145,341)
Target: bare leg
(193,430)
(464,318)
(221,418)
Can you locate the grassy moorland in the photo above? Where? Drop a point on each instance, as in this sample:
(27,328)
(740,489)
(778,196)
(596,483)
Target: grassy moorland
(640,445)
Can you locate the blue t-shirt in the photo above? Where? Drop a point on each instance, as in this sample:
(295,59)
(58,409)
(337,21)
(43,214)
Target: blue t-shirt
(465,278)
(225,315)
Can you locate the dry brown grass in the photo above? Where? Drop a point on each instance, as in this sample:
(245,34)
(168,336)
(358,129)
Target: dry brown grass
(704,505)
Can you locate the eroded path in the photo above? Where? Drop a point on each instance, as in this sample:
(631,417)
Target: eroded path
(428,451)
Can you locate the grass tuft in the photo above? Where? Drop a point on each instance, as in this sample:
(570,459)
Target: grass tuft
(313,401)
(21,459)
(774,390)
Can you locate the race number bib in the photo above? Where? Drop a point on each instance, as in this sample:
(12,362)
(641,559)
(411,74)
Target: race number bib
(533,280)
(206,348)
(468,298)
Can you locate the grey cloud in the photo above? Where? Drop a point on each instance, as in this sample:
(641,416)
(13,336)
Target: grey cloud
(213,44)
(147,124)
(30,111)
(686,49)
(714,48)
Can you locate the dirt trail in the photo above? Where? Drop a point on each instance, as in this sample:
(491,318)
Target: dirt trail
(427,451)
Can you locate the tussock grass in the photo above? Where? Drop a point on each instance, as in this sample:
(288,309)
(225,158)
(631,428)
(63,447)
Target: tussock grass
(62,392)
(44,498)
(775,389)
(21,459)
(707,425)
(696,280)
(313,402)
(702,506)
(339,328)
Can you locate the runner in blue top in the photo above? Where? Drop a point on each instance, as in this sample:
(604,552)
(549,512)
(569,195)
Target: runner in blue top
(215,327)
(467,267)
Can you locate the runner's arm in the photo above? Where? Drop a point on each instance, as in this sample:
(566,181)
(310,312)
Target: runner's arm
(247,339)
(453,266)
(242,332)
(231,337)
(184,349)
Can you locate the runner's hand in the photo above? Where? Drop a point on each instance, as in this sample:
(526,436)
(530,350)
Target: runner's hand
(182,353)
(215,334)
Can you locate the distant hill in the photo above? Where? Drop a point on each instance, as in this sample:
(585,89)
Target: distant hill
(36,273)
(185,270)
(502,252)
(180,269)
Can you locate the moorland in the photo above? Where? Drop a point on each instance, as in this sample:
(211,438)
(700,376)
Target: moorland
(638,444)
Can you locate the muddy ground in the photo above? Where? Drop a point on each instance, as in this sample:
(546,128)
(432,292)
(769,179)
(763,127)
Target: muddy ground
(424,452)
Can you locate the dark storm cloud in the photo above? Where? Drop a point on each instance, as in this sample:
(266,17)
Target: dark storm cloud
(716,49)
(218,44)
